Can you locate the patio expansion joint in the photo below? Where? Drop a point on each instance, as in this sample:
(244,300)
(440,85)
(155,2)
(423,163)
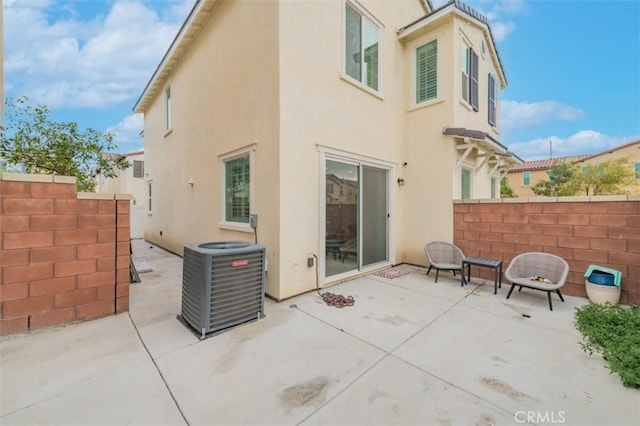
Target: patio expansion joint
(175,401)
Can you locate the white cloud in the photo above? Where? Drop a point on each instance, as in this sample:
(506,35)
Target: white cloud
(582,142)
(61,61)
(502,29)
(528,114)
(127,132)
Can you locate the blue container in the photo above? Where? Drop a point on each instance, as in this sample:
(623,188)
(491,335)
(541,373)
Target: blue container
(602,278)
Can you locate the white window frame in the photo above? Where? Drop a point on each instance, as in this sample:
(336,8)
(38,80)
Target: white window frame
(495,186)
(223,159)
(471,171)
(496,101)
(149,196)
(414,75)
(465,71)
(364,15)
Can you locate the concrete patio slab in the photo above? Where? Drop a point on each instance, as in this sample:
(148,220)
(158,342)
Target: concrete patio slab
(410,351)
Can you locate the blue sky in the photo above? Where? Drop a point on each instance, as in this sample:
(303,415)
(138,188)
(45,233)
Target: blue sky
(573,66)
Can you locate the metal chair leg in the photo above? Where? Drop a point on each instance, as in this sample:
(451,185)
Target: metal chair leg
(560,294)
(510,290)
(437,272)
(549,297)
(429,270)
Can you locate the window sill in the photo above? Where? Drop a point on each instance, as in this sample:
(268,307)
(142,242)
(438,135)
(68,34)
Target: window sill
(235,226)
(168,132)
(466,104)
(361,86)
(421,105)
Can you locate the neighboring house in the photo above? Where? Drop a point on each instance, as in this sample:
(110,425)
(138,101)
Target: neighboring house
(522,177)
(345,126)
(129,181)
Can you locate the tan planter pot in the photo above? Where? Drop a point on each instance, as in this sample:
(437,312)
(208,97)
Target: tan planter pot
(602,294)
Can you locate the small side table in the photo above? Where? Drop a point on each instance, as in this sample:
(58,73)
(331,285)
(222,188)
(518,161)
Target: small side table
(494,264)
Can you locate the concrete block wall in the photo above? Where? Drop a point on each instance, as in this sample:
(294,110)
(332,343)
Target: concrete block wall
(64,256)
(602,230)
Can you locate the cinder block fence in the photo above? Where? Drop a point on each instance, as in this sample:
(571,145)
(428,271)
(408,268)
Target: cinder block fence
(64,256)
(603,230)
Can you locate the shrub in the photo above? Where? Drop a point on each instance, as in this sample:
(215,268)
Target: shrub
(613,331)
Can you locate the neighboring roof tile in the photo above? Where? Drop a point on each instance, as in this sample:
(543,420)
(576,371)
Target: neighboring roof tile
(542,164)
(610,150)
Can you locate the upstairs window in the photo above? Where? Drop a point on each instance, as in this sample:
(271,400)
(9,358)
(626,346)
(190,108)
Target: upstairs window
(427,72)
(495,187)
(361,48)
(493,100)
(167,107)
(526,179)
(469,76)
(138,169)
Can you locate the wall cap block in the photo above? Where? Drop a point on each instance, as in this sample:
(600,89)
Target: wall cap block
(64,179)
(26,177)
(600,198)
(574,199)
(634,197)
(514,200)
(123,196)
(489,200)
(94,196)
(473,201)
(542,199)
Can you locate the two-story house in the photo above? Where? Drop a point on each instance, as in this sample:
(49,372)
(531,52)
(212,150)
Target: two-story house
(333,121)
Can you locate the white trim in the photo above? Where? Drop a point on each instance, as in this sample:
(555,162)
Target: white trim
(413,48)
(343,75)
(222,160)
(334,154)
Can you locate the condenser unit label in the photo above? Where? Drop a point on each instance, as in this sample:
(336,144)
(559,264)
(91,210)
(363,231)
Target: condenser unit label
(237,263)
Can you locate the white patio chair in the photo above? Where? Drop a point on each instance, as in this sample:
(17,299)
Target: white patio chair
(444,256)
(539,271)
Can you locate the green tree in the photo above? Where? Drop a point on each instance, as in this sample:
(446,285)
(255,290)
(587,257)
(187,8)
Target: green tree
(45,146)
(505,189)
(563,181)
(606,177)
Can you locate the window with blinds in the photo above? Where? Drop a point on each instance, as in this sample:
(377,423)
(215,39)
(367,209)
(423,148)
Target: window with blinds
(138,169)
(237,186)
(427,72)
(469,76)
(493,100)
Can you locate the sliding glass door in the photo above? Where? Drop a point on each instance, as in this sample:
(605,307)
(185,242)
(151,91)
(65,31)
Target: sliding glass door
(356,216)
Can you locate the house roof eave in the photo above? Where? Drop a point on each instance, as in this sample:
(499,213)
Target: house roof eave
(189,30)
(464,11)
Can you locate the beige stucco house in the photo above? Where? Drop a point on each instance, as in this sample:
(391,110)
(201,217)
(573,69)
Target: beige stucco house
(129,181)
(522,177)
(346,126)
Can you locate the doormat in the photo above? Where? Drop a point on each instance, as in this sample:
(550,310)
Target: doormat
(391,273)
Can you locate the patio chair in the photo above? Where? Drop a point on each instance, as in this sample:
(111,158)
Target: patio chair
(539,271)
(444,256)
(347,248)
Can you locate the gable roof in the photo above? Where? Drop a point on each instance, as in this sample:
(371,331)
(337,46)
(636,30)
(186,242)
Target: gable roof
(549,162)
(188,32)
(464,10)
(610,150)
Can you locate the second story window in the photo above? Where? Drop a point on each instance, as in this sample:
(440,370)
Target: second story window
(427,72)
(493,100)
(167,105)
(361,48)
(138,169)
(469,75)
(526,179)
